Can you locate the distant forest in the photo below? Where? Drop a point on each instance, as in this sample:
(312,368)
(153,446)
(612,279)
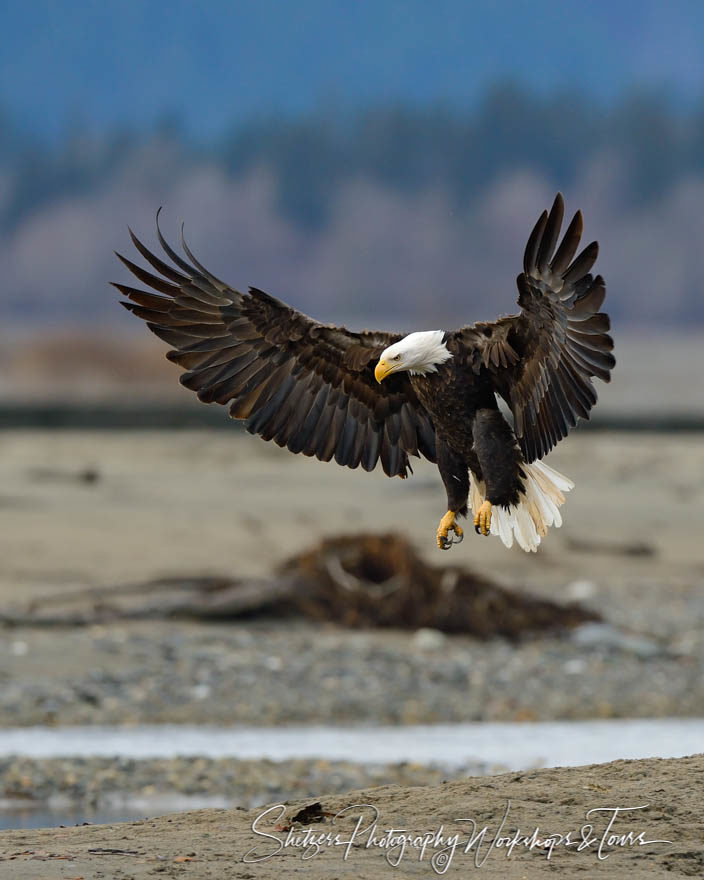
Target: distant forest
(395,209)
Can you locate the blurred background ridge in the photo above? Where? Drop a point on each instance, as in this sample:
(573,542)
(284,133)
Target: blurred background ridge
(375,164)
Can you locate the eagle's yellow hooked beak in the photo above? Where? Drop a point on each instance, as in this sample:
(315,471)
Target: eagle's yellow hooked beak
(382,370)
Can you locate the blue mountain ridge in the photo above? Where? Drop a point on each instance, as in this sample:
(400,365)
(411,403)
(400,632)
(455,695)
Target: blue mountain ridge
(126,62)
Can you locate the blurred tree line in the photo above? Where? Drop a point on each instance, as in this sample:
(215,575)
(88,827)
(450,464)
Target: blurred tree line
(430,205)
(403,148)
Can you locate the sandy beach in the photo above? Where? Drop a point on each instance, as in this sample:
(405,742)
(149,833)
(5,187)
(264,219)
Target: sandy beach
(84,510)
(660,835)
(92,507)
(210,503)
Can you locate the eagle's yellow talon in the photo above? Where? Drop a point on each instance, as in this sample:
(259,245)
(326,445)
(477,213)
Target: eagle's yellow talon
(482,519)
(448,524)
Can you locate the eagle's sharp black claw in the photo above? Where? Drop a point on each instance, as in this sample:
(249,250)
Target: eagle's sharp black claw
(477,530)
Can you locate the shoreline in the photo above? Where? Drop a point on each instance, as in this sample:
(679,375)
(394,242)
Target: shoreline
(130,772)
(657,828)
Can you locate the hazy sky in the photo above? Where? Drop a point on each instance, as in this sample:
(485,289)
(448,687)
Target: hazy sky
(130,62)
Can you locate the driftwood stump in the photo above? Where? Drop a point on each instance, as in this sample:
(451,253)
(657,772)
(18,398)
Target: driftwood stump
(352,580)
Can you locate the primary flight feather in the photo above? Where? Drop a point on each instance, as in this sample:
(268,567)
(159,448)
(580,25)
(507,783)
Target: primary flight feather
(366,397)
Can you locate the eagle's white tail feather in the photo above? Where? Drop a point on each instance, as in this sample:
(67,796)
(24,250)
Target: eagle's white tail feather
(538,509)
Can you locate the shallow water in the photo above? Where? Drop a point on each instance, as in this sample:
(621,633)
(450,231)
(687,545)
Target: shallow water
(41,816)
(513,745)
(499,746)
(15,813)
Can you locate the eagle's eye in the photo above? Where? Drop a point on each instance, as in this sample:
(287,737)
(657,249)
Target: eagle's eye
(396,357)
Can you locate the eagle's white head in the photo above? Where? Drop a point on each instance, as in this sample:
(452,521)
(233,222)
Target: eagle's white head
(419,352)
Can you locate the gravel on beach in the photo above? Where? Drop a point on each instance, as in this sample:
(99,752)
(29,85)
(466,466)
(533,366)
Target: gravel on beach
(295,672)
(99,781)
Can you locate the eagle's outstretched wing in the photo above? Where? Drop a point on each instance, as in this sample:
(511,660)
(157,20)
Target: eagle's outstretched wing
(542,360)
(304,385)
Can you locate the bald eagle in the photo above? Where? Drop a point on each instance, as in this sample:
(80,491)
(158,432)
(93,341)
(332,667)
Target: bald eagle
(372,396)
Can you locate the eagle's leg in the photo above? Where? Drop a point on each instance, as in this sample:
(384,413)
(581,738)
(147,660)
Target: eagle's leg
(455,476)
(482,519)
(500,460)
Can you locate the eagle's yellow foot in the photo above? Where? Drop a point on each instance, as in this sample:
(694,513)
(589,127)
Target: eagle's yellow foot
(482,519)
(448,524)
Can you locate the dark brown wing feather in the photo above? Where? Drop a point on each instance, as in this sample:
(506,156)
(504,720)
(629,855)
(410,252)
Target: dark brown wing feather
(543,360)
(307,386)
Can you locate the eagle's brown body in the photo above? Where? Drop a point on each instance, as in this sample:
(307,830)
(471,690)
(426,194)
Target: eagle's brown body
(470,433)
